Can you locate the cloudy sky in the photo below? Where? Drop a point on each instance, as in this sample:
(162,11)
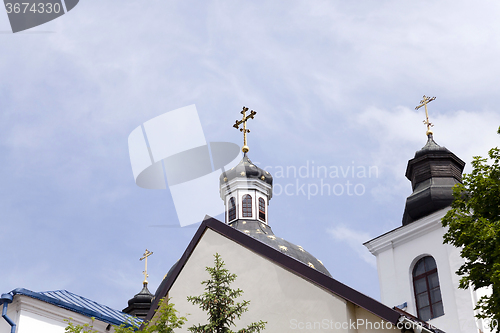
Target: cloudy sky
(334,84)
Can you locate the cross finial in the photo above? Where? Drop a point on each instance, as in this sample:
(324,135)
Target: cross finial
(145,256)
(424,102)
(243,121)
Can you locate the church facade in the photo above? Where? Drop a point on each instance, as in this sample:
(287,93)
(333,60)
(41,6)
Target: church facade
(416,270)
(287,286)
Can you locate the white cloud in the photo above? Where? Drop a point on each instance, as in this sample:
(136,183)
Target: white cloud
(332,81)
(354,239)
(398,133)
(466,133)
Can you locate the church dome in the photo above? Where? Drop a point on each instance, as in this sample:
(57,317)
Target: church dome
(141,302)
(144,296)
(263,233)
(246,191)
(246,169)
(431,147)
(248,180)
(433,172)
(164,281)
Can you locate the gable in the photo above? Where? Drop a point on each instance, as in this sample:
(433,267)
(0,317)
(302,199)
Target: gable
(276,295)
(281,290)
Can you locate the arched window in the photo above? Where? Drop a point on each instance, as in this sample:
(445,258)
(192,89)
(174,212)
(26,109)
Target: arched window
(231,215)
(427,291)
(247,205)
(262,209)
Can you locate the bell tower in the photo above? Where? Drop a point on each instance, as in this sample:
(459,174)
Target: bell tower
(416,270)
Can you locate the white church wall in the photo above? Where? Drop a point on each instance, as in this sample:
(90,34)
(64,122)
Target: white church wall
(30,322)
(35,316)
(286,301)
(398,251)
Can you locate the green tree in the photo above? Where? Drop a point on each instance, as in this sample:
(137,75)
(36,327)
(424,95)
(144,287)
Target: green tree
(474,225)
(219,301)
(85,328)
(166,320)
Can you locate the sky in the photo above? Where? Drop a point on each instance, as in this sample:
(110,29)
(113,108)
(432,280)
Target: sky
(334,84)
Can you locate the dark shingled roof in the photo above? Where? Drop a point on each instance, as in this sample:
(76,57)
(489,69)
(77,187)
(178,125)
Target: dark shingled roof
(431,147)
(263,233)
(141,302)
(433,172)
(246,169)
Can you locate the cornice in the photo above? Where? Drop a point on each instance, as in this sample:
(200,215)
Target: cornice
(406,233)
(35,306)
(245,184)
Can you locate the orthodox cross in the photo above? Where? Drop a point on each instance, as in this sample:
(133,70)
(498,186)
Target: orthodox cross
(145,256)
(424,102)
(244,129)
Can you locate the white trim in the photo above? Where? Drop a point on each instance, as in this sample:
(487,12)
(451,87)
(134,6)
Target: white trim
(37,310)
(245,184)
(406,233)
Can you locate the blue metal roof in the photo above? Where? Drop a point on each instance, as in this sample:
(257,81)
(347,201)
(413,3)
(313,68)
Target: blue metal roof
(67,300)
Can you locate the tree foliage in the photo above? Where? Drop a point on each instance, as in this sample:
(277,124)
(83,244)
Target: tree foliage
(85,328)
(166,320)
(474,225)
(219,302)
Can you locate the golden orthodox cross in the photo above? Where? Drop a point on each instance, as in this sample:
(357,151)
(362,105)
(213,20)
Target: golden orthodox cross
(424,102)
(243,121)
(145,256)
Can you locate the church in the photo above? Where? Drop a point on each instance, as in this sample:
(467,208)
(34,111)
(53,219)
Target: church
(291,290)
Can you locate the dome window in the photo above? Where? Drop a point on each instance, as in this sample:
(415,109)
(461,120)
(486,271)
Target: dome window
(262,209)
(247,205)
(231,215)
(427,290)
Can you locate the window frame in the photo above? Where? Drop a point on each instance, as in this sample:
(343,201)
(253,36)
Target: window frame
(232,209)
(246,206)
(425,276)
(262,209)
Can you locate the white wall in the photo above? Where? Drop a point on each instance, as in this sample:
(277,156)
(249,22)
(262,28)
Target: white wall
(35,316)
(286,301)
(399,250)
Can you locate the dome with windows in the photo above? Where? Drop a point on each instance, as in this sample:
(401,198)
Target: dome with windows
(246,190)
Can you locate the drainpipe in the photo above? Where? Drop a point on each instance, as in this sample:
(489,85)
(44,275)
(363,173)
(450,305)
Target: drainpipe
(6,299)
